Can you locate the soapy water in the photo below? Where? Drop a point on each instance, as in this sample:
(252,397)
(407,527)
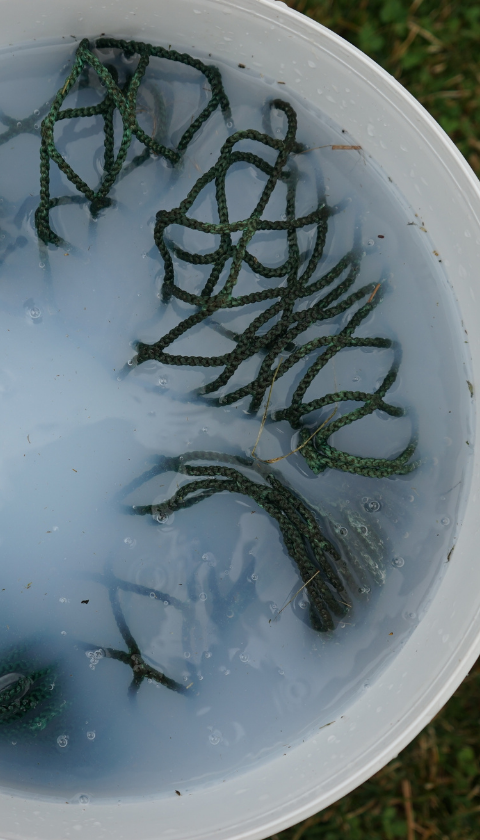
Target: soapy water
(205,591)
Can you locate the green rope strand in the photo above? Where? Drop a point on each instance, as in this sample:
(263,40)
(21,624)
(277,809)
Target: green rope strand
(27,125)
(317,559)
(123,100)
(211,73)
(132,656)
(275,331)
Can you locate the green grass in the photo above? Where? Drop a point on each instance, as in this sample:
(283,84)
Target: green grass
(432,790)
(432,48)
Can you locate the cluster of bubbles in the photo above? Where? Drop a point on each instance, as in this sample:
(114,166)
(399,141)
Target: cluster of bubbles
(215,737)
(94,656)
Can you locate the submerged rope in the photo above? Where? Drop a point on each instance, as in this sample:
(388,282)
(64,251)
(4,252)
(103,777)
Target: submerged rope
(121,99)
(288,314)
(27,125)
(316,558)
(275,331)
(30,696)
(132,657)
(279,333)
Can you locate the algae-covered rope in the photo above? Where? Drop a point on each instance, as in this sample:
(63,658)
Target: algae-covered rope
(121,99)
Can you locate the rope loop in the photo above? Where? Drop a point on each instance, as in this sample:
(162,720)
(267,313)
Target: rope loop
(117,99)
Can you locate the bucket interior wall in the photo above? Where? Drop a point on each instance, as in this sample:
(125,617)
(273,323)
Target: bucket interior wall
(397,132)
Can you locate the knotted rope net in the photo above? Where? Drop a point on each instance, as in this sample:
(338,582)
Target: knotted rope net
(30,694)
(117,99)
(132,657)
(292,304)
(320,565)
(278,336)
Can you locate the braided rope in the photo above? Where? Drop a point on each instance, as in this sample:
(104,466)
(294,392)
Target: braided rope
(27,125)
(273,332)
(285,322)
(132,656)
(317,559)
(124,100)
(298,300)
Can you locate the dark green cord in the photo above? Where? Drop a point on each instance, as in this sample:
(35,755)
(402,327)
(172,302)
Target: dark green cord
(123,100)
(132,656)
(283,318)
(298,300)
(317,559)
(28,125)
(274,332)
(30,696)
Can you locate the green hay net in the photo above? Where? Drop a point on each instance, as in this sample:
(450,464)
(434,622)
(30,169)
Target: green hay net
(30,694)
(278,336)
(132,657)
(292,304)
(116,99)
(318,561)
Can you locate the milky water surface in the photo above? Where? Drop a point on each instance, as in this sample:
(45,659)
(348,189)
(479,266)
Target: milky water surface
(79,429)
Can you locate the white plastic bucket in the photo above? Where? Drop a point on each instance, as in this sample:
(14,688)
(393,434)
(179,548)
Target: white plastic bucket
(437,182)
